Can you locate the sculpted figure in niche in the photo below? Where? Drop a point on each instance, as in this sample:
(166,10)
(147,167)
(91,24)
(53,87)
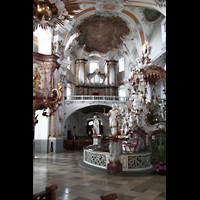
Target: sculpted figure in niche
(113,114)
(96,125)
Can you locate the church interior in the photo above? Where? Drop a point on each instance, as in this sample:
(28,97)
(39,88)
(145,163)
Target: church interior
(99,99)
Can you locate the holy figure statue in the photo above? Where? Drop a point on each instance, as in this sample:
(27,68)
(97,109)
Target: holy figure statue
(96,125)
(112,114)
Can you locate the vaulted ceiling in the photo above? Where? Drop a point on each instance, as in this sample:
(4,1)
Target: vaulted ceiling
(106,28)
(133,23)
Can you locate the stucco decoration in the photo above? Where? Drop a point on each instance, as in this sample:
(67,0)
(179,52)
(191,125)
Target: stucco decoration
(101,34)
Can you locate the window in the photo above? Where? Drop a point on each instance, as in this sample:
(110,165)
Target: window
(68,66)
(163,30)
(121,64)
(93,66)
(105,68)
(90,123)
(121,91)
(69,91)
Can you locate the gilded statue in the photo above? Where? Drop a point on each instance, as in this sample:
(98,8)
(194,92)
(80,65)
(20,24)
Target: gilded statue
(36,78)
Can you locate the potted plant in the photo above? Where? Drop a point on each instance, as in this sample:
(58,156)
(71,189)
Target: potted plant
(161,166)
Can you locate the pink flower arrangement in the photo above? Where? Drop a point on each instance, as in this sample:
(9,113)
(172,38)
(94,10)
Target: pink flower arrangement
(157,170)
(157,165)
(160,167)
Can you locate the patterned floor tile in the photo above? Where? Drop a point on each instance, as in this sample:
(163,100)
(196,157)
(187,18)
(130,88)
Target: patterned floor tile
(75,183)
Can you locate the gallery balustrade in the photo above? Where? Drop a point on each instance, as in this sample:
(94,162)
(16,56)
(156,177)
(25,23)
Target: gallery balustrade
(95,97)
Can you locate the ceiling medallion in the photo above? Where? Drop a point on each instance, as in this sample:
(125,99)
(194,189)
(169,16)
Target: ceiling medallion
(108,7)
(49,13)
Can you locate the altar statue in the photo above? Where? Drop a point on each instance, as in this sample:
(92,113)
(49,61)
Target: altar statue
(112,114)
(96,125)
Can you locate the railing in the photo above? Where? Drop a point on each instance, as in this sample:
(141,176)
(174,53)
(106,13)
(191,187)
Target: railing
(95,98)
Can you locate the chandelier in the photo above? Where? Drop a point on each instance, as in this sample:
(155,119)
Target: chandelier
(49,13)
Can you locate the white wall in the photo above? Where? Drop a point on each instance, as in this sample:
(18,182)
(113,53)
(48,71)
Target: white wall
(72,121)
(42,127)
(156,42)
(44,40)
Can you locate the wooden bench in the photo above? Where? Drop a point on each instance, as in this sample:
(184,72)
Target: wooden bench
(48,194)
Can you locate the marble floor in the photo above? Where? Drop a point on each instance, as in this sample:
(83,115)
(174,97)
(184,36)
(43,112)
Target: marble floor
(75,183)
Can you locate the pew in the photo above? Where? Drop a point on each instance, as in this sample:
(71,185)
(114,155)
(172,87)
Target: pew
(48,194)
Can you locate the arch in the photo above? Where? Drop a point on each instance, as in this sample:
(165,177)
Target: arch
(76,106)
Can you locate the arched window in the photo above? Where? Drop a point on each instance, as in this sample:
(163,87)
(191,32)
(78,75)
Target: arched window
(90,123)
(68,66)
(93,65)
(69,90)
(121,91)
(121,64)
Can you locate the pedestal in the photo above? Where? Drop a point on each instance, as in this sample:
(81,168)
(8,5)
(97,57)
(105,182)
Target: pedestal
(41,145)
(56,145)
(114,167)
(115,149)
(97,141)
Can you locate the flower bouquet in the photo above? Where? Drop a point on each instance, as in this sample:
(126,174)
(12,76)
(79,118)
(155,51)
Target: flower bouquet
(161,168)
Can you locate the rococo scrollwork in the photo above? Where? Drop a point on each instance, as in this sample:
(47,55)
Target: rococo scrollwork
(44,94)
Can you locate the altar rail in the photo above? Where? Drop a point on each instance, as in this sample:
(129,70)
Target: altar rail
(130,162)
(95,158)
(95,97)
(136,161)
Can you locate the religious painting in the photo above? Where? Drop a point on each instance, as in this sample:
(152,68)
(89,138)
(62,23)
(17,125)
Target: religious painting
(101,34)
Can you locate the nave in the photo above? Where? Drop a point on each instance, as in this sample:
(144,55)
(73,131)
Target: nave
(75,183)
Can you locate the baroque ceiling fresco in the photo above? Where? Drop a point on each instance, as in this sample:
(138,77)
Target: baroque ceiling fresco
(101,34)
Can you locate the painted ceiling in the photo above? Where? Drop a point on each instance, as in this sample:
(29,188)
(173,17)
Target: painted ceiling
(97,37)
(101,34)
